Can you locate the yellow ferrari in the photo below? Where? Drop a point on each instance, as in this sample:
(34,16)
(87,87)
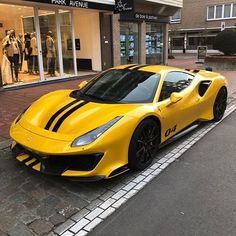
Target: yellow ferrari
(116,121)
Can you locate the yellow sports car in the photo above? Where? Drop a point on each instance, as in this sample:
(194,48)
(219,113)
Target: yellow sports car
(116,121)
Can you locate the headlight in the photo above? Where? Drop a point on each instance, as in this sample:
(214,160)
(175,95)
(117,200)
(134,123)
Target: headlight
(94,134)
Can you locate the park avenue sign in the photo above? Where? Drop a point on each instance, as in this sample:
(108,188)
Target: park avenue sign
(77,4)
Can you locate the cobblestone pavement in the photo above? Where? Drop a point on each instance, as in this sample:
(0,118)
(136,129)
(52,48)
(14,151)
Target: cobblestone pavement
(35,204)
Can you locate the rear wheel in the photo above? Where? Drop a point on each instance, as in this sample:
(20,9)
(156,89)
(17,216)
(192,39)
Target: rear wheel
(144,144)
(220,104)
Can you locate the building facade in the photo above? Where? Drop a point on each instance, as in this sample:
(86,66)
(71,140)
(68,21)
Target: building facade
(198,22)
(52,39)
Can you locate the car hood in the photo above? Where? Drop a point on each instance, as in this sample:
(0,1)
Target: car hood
(58,115)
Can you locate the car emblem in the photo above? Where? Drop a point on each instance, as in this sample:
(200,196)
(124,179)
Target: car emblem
(29,139)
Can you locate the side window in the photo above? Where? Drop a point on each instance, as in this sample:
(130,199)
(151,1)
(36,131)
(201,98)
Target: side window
(175,82)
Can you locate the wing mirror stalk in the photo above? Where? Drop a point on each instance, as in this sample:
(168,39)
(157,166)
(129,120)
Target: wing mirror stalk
(174,98)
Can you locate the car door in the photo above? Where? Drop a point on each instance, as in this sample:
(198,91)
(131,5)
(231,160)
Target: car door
(178,114)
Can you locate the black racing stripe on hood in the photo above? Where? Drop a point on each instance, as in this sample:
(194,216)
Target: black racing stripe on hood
(66,115)
(139,67)
(47,127)
(130,66)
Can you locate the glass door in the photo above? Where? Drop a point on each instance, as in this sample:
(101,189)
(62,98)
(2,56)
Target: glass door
(67,43)
(49,43)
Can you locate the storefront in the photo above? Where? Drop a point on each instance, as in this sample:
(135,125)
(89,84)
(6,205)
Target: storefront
(51,39)
(44,39)
(143,32)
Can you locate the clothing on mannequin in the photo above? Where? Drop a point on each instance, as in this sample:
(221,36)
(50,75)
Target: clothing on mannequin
(12,51)
(51,53)
(33,65)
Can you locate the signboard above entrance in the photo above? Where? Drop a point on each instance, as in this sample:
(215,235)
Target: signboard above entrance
(77,4)
(123,6)
(138,16)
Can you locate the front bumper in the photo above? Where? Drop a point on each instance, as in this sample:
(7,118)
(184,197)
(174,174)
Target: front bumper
(47,150)
(57,165)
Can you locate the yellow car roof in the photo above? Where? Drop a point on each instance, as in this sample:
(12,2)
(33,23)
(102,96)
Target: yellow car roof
(150,68)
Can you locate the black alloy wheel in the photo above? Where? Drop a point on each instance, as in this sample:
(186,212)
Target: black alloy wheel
(220,104)
(144,144)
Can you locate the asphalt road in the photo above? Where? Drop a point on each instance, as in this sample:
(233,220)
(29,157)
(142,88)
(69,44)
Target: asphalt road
(194,196)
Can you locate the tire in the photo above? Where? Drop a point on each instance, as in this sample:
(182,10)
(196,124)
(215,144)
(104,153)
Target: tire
(144,144)
(220,104)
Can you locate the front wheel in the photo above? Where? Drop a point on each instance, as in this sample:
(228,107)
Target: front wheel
(220,104)
(144,144)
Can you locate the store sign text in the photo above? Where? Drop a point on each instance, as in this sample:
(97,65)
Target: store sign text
(123,6)
(142,16)
(80,4)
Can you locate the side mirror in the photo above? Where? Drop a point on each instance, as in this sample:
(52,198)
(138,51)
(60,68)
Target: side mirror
(82,84)
(175,97)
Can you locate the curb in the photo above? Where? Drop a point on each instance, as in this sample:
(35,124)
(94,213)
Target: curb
(5,144)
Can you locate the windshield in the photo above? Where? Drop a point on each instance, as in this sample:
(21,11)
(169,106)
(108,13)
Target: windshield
(124,86)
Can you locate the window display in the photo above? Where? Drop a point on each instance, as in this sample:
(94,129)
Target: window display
(18,55)
(154,44)
(129,43)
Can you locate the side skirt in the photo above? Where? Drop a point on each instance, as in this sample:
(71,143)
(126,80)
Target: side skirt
(182,133)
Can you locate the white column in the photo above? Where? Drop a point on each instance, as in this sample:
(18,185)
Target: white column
(39,45)
(73,42)
(59,47)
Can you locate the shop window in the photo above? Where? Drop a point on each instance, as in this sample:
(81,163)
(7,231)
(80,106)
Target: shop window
(66,42)
(154,44)
(19,53)
(129,43)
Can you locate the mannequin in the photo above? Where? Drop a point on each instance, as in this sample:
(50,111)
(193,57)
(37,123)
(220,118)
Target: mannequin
(51,53)
(12,51)
(34,54)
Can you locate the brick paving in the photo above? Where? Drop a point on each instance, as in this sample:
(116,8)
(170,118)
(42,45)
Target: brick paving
(14,101)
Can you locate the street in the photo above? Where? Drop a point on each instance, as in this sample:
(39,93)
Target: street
(195,196)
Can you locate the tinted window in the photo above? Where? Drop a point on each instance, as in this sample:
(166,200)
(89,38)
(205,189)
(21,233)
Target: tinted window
(175,82)
(125,86)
